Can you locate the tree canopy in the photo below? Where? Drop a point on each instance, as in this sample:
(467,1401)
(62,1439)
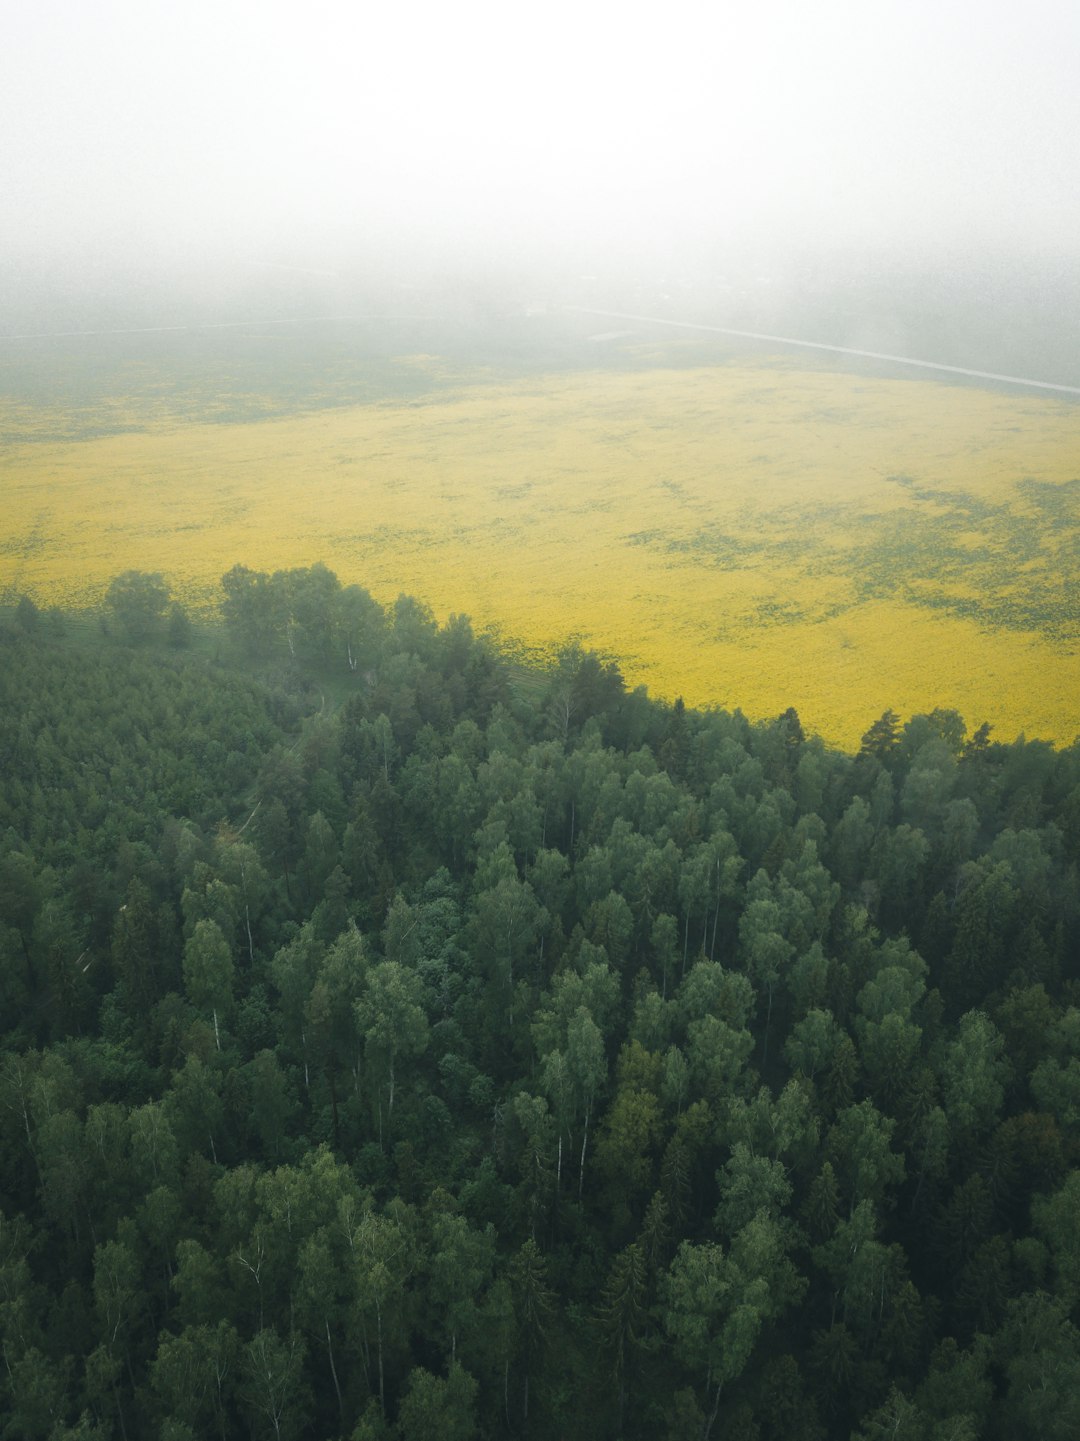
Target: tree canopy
(395,1044)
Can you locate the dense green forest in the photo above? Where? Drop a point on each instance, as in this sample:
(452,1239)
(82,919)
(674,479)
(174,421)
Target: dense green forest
(397,1045)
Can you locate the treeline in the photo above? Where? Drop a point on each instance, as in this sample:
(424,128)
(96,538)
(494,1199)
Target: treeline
(454,1058)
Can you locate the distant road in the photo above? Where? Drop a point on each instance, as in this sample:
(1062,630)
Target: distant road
(832,349)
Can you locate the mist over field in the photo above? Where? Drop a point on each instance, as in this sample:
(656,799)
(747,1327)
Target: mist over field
(898,177)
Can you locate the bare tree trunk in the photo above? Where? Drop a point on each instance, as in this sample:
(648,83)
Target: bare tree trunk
(382,1385)
(333,1370)
(712,1413)
(247,914)
(120,1412)
(584,1143)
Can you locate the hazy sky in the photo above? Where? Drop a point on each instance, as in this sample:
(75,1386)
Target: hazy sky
(267,130)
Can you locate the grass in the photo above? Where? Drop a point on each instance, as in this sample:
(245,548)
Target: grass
(759,534)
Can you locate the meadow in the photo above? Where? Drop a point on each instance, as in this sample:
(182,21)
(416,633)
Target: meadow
(757,533)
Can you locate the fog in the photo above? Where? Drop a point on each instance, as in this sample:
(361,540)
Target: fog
(879,169)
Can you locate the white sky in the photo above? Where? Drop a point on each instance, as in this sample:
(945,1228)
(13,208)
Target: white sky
(240,127)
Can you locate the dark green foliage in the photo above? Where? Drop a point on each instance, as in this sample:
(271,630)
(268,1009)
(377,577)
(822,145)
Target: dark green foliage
(388,1054)
(138,602)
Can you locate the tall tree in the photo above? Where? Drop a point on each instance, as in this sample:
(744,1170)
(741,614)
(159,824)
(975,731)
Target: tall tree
(392,1021)
(138,601)
(209,973)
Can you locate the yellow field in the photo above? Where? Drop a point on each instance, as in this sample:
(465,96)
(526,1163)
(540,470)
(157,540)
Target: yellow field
(758,535)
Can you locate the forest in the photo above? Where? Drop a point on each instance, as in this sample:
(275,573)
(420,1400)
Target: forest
(398,1045)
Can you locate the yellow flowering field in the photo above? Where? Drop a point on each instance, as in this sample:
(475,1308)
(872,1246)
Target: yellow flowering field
(759,534)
